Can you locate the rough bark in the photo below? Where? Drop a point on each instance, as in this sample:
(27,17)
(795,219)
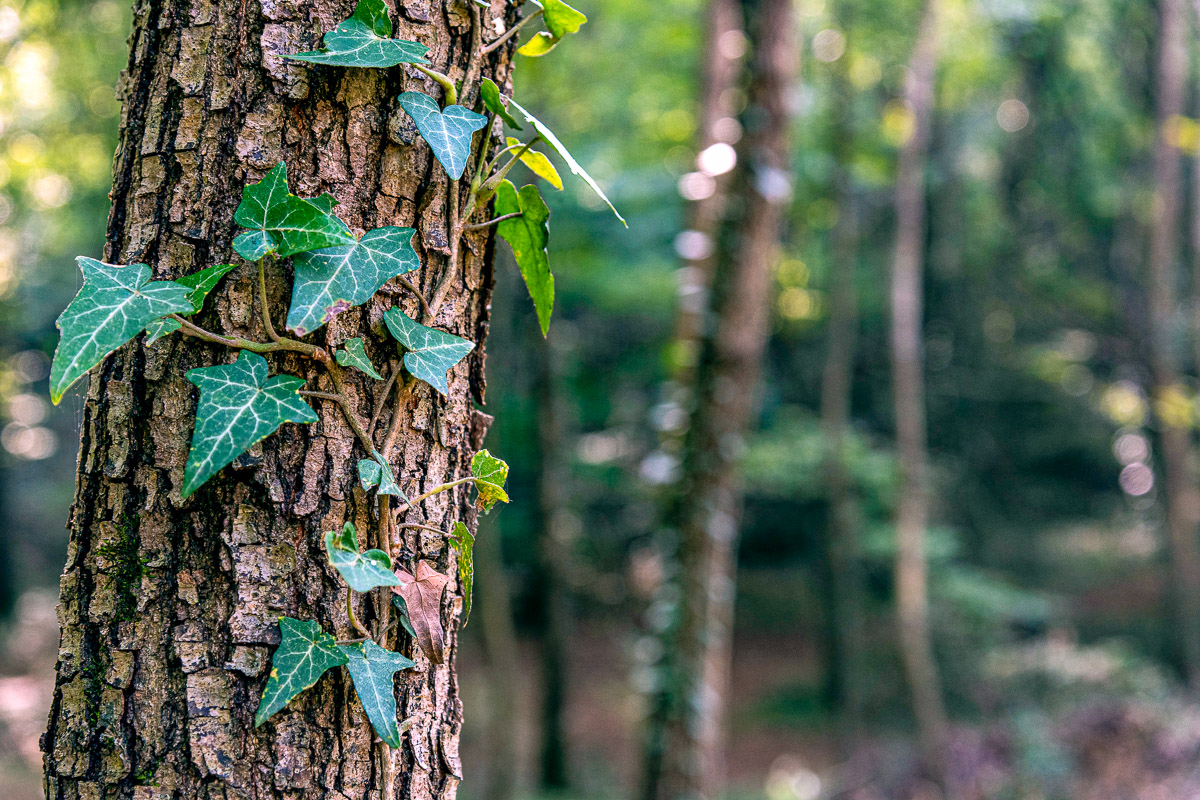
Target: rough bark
(911,569)
(1181,503)
(708,503)
(168,607)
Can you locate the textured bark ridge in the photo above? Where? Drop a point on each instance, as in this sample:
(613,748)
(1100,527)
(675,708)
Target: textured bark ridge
(169,608)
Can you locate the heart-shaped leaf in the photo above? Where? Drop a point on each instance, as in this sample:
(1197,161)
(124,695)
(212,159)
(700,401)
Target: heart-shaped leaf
(464,546)
(336,279)
(538,164)
(364,40)
(490,476)
(496,103)
(282,223)
(566,156)
(422,595)
(373,671)
(304,654)
(528,235)
(238,407)
(361,571)
(448,131)
(430,353)
(115,304)
(374,472)
(354,355)
(200,283)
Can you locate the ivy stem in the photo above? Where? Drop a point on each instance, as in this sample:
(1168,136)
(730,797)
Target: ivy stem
(494,179)
(420,297)
(455,234)
(511,32)
(265,308)
(439,489)
(482,225)
(353,619)
(339,396)
(442,80)
(383,396)
(519,146)
(418,527)
(238,343)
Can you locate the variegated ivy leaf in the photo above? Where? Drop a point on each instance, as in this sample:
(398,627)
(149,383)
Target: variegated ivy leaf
(448,132)
(374,472)
(538,164)
(354,355)
(282,223)
(497,103)
(361,571)
(490,476)
(200,283)
(430,353)
(528,235)
(464,546)
(115,304)
(364,40)
(373,671)
(566,156)
(238,406)
(336,279)
(305,653)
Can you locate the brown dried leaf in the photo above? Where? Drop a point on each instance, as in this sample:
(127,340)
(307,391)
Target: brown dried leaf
(422,594)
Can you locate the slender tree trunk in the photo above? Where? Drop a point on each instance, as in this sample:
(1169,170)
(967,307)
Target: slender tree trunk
(727,375)
(911,569)
(169,608)
(1182,513)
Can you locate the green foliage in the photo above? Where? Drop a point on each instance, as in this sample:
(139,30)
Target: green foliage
(115,304)
(490,476)
(373,671)
(464,545)
(528,236)
(201,283)
(238,407)
(304,654)
(561,19)
(497,103)
(364,40)
(281,223)
(430,353)
(374,472)
(333,280)
(354,355)
(361,571)
(447,131)
(539,165)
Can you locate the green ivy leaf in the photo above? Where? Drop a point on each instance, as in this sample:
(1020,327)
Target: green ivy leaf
(304,654)
(375,472)
(464,545)
(373,671)
(282,223)
(430,353)
(115,304)
(560,18)
(354,355)
(448,131)
(200,283)
(496,103)
(337,279)
(364,40)
(527,235)
(361,571)
(238,407)
(490,473)
(539,165)
(539,45)
(566,156)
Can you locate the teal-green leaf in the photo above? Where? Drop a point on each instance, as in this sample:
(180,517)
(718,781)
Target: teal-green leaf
(304,654)
(490,476)
(375,472)
(496,103)
(538,164)
(373,671)
(364,40)
(448,132)
(361,571)
(354,355)
(560,18)
(464,545)
(528,235)
(430,353)
(566,156)
(336,279)
(238,406)
(200,283)
(115,304)
(282,223)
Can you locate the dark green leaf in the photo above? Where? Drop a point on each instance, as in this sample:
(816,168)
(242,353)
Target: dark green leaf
(373,671)
(430,353)
(361,571)
(528,235)
(305,652)
(375,472)
(496,103)
(238,407)
(491,474)
(282,223)
(200,283)
(448,132)
(354,355)
(115,304)
(364,40)
(464,545)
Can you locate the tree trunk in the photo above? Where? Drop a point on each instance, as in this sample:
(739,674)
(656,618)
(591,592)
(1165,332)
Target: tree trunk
(169,608)
(1182,512)
(911,569)
(727,374)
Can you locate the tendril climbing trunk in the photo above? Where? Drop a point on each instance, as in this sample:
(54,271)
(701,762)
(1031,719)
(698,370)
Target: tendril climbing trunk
(170,607)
